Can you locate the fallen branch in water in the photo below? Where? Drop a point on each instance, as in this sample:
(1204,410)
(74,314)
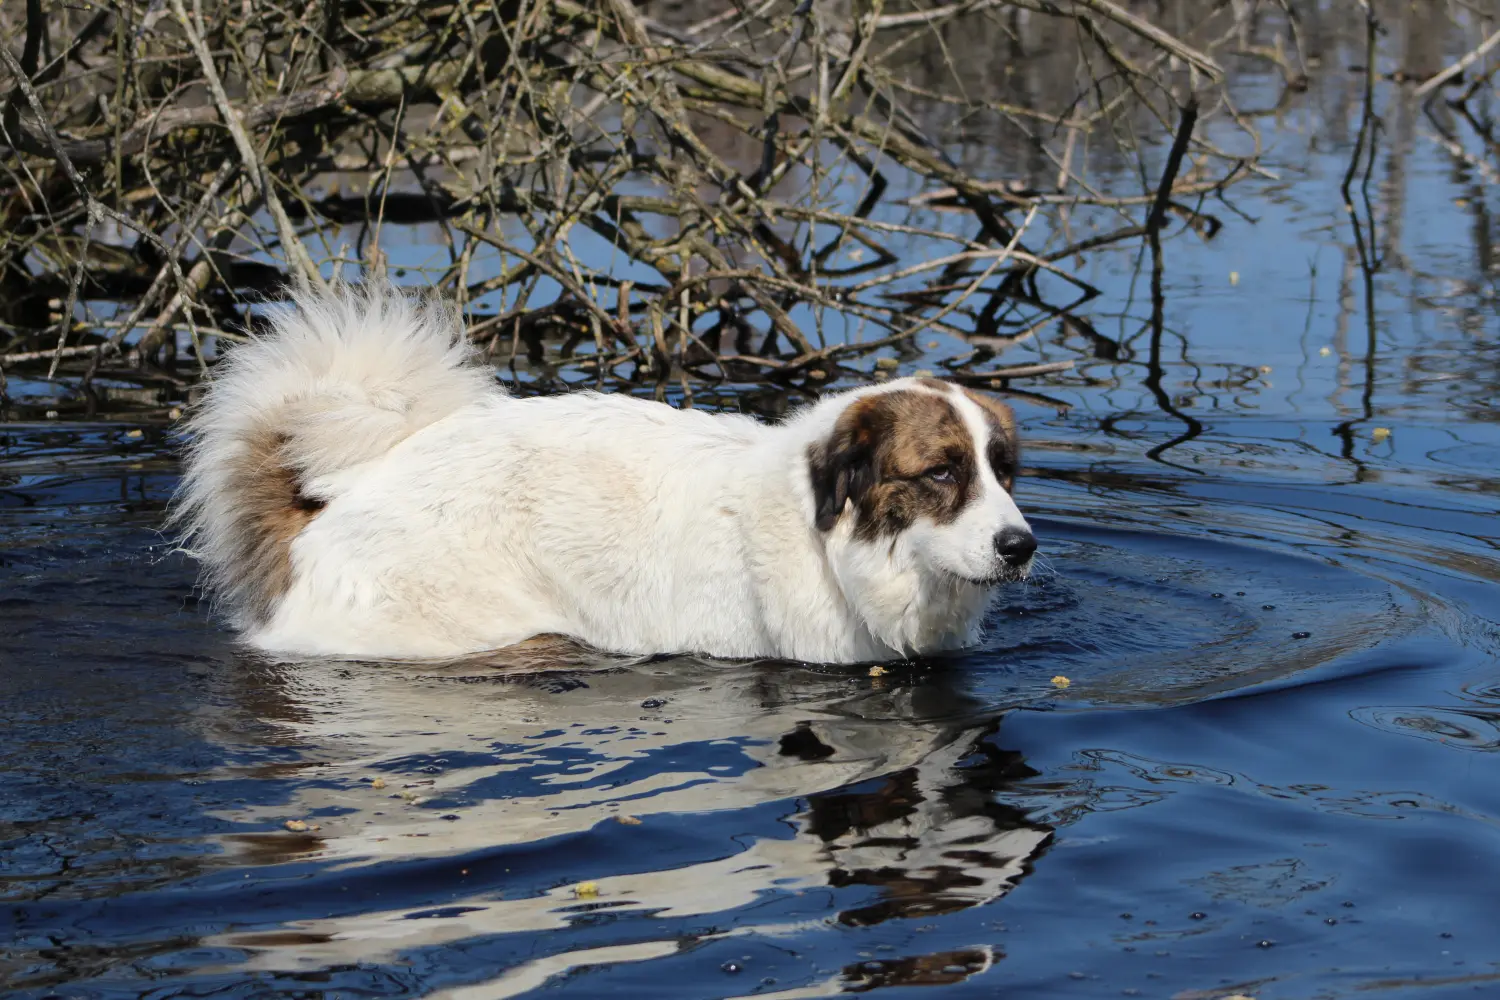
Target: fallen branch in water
(616,198)
(1458,68)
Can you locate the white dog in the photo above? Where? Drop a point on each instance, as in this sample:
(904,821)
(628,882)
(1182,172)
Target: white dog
(359,485)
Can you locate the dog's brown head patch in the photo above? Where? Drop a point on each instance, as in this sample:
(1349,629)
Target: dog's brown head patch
(905,454)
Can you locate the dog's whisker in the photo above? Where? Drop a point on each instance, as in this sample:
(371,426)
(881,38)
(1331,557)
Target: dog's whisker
(1042,565)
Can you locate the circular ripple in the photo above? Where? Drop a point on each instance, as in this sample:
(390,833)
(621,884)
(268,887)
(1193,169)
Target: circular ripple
(1140,617)
(1475,457)
(1450,727)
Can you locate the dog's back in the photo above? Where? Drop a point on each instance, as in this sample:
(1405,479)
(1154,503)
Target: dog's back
(359,484)
(341,379)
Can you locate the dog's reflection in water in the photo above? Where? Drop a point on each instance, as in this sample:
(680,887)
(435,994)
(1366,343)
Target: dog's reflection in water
(888,784)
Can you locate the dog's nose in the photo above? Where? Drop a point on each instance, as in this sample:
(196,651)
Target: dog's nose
(1015,545)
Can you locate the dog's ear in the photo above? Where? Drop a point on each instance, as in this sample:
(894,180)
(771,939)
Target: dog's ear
(842,468)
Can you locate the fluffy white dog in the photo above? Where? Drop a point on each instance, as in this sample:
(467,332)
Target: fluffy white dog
(360,485)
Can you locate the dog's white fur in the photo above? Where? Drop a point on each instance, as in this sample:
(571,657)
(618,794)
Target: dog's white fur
(457,518)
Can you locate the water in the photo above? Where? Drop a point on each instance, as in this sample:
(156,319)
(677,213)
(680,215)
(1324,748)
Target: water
(1275,601)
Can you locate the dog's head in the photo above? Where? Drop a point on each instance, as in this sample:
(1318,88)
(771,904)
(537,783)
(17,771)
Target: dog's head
(919,472)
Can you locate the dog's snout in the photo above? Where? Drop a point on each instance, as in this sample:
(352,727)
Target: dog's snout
(1015,545)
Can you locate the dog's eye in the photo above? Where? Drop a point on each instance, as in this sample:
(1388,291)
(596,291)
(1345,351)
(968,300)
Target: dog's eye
(940,473)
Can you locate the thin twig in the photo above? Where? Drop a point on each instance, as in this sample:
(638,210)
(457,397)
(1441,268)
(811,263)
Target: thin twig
(303,269)
(1441,78)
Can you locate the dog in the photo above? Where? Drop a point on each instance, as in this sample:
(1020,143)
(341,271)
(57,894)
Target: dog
(359,485)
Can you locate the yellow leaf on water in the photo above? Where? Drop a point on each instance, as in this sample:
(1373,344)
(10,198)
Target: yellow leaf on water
(1379,434)
(586,890)
(295,825)
(133,433)
(378,783)
(877,671)
(1325,351)
(628,820)
(1060,681)
(1234,277)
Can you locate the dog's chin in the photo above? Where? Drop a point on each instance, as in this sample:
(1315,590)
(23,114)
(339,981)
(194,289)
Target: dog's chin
(1005,574)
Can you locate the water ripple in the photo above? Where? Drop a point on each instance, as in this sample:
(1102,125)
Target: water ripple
(1454,727)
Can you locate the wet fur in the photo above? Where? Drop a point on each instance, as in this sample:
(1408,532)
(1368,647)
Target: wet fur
(359,485)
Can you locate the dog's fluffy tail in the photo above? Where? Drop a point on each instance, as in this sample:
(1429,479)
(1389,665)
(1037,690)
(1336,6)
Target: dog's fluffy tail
(343,377)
